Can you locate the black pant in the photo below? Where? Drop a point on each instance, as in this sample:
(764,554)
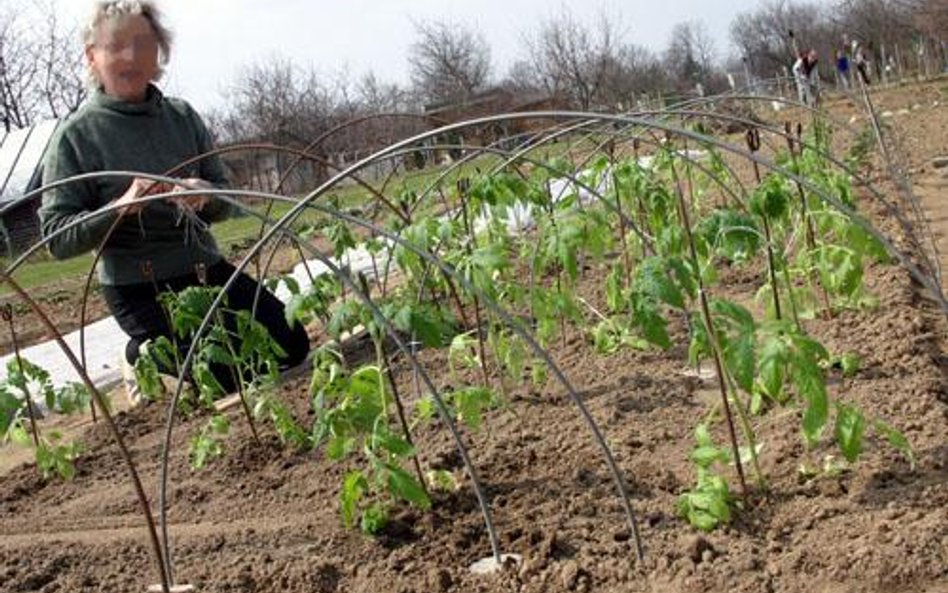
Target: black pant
(141,316)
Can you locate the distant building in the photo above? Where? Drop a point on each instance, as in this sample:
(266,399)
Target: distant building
(495,101)
(21,159)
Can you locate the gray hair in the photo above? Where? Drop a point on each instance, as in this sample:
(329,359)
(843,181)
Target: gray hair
(112,9)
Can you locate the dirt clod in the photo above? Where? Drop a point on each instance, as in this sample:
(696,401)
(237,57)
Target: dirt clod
(439,579)
(696,547)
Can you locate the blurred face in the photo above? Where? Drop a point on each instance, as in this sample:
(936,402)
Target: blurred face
(124,57)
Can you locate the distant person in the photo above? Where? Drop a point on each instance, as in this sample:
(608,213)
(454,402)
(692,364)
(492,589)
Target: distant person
(842,69)
(861,62)
(127,124)
(799,77)
(807,77)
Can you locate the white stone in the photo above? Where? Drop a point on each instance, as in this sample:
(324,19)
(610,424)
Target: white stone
(940,162)
(489,565)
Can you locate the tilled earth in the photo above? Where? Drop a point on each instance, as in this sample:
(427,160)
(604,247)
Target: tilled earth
(266,519)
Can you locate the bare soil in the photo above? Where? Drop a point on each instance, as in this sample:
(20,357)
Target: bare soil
(266,519)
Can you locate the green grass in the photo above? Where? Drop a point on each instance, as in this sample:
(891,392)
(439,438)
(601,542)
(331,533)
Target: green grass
(31,275)
(42,270)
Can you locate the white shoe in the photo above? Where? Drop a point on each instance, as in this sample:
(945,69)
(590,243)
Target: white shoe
(132,391)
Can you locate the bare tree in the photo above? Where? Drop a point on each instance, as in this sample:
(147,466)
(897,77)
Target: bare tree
(931,16)
(275,101)
(377,96)
(449,62)
(763,35)
(41,69)
(574,62)
(61,65)
(641,72)
(689,58)
(522,77)
(878,22)
(18,75)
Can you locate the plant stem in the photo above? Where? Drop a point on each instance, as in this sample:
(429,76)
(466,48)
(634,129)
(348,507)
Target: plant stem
(753,144)
(492,338)
(8,315)
(402,418)
(792,300)
(477,305)
(709,327)
(163,567)
(622,237)
(238,380)
(456,298)
(809,231)
(771,267)
(749,434)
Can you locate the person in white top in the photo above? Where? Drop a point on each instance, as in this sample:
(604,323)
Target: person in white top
(807,76)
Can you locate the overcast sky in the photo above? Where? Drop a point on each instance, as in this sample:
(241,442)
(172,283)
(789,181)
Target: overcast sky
(215,38)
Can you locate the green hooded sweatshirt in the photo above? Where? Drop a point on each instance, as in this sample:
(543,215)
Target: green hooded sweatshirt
(107,134)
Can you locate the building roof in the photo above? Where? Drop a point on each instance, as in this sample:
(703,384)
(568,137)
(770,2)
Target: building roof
(21,158)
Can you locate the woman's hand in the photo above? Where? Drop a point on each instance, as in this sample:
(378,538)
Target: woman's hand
(193,202)
(129,202)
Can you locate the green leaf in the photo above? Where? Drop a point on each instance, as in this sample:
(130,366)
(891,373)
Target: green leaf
(538,372)
(189,307)
(19,435)
(896,439)
(652,279)
(291,284)
(58,459)
(338,447)
(425,408)
(850,427)
(771,366)
(440,479)
(353,488)
(163,352)
(205,446)
(404,486)
(425,323)
(395,445)
(685,275)
(374,519)
(615,297)
(730,233)
(646,317)
(850,363)
(215,353)
(10,408)
(736,316)
(772,199)
(512,353)
(706,456)
(71,398)
(219,424)
(703,436)
(810,384)
(206,381)
(740,357)
(471,403)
